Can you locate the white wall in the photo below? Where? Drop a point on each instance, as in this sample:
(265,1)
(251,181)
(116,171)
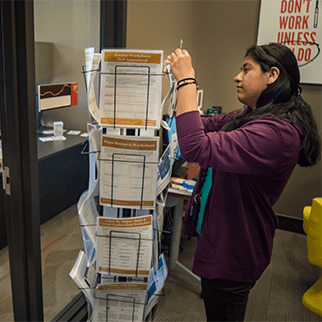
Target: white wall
(161,25)
(217,34)
(71,25)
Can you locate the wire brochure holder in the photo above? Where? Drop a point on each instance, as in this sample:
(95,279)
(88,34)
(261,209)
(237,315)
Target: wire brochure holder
(124,246)
(147,124)
(138,204)
(120,212)
(139,239)
(121,92)
(126,306)
(128,168)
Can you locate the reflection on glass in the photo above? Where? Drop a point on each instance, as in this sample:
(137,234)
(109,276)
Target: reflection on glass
(68,27)
(61,241)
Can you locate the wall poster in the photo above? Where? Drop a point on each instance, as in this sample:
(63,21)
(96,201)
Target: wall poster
(297,24)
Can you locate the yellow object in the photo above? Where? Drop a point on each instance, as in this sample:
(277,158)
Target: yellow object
(312,225)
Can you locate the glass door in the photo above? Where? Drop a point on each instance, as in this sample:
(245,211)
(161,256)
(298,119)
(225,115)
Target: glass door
(40,255)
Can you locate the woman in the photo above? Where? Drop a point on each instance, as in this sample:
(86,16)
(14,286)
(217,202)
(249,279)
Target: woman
(251,153)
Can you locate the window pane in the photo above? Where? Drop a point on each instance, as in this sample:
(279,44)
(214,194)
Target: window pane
(63,29)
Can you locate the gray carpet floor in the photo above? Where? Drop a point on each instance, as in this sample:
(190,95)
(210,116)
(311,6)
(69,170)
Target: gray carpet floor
(61,241)
(276,296)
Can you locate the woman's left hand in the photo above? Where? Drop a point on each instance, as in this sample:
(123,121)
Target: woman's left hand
(180,63)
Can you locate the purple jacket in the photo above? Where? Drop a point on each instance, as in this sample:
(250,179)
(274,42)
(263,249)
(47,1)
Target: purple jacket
(251,166)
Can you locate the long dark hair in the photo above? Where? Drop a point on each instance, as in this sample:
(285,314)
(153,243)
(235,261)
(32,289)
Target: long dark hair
(282,99)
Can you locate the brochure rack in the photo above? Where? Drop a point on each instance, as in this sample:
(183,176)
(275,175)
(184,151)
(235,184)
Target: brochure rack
(127,78)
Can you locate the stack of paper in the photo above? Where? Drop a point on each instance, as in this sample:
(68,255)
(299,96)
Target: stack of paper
(84,277)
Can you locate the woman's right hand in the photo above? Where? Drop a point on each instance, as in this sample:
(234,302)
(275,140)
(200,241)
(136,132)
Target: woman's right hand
(180,63)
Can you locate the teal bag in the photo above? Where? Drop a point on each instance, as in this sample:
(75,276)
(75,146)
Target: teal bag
(204,193)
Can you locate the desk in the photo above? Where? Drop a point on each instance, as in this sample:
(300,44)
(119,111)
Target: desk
(63,177)
(176,233)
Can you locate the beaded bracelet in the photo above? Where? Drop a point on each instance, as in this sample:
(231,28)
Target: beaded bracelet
(185,83)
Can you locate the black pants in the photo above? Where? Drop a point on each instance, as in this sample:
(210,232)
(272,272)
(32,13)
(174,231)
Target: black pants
(225,300)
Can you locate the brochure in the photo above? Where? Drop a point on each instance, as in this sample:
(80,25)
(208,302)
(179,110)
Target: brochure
(165,168)
(92,62)
(128,171)
(131,88)
(156,282)
(84,277)
(124,246)
(117,302)
(86,205)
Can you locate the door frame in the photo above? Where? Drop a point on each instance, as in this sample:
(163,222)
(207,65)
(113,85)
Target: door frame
(19,142)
